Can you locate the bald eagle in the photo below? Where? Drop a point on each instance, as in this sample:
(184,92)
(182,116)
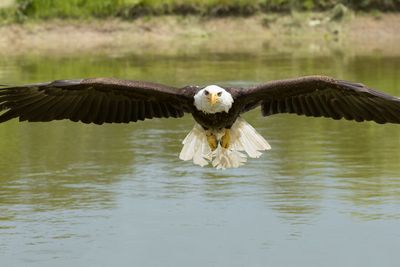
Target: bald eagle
(220,135)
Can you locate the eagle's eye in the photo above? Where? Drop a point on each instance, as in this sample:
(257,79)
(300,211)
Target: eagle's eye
(219,94)
(206,92)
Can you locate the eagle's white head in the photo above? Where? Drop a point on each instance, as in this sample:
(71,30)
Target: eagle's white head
(213,99)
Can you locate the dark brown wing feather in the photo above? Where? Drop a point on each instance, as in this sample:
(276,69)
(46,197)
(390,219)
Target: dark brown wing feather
(97,101)
(320,96)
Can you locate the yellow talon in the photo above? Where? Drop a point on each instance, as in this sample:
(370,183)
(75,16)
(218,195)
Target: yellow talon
(212,141)
(226,139)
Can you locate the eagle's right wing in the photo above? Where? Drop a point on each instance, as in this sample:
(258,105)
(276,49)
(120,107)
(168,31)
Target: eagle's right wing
(98,100)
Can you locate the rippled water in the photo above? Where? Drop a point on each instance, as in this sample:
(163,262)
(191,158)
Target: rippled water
(327,194)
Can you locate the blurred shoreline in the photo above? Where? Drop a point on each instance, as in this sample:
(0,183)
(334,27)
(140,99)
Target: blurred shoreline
(172,35)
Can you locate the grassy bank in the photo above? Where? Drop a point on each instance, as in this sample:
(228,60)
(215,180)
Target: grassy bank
(128,9)
(176,35)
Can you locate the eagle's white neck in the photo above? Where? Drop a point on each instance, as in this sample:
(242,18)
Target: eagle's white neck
(203,99)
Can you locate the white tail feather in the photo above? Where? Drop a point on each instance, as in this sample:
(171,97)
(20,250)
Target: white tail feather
(195,146)
(243,138)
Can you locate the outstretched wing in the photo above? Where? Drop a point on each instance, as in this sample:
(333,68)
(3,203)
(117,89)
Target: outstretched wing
(320,96)
(96,100)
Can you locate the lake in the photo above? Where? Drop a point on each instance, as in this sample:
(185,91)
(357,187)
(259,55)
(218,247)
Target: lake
(327,194)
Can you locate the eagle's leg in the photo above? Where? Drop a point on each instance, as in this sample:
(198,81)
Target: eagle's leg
(212,140)
(226,139)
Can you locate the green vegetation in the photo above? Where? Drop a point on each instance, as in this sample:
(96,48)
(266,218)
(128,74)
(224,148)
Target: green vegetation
(46,9)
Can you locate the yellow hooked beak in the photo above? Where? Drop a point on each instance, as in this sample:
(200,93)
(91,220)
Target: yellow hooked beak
(213,99)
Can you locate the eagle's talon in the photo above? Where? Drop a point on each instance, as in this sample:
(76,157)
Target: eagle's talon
(226,139)
(212,141)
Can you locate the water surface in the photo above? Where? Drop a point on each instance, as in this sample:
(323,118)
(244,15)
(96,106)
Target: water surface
(327,194)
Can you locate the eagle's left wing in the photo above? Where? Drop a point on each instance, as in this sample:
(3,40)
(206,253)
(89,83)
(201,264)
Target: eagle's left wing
(320,96)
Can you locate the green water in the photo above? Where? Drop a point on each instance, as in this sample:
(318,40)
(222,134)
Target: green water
(327,194)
